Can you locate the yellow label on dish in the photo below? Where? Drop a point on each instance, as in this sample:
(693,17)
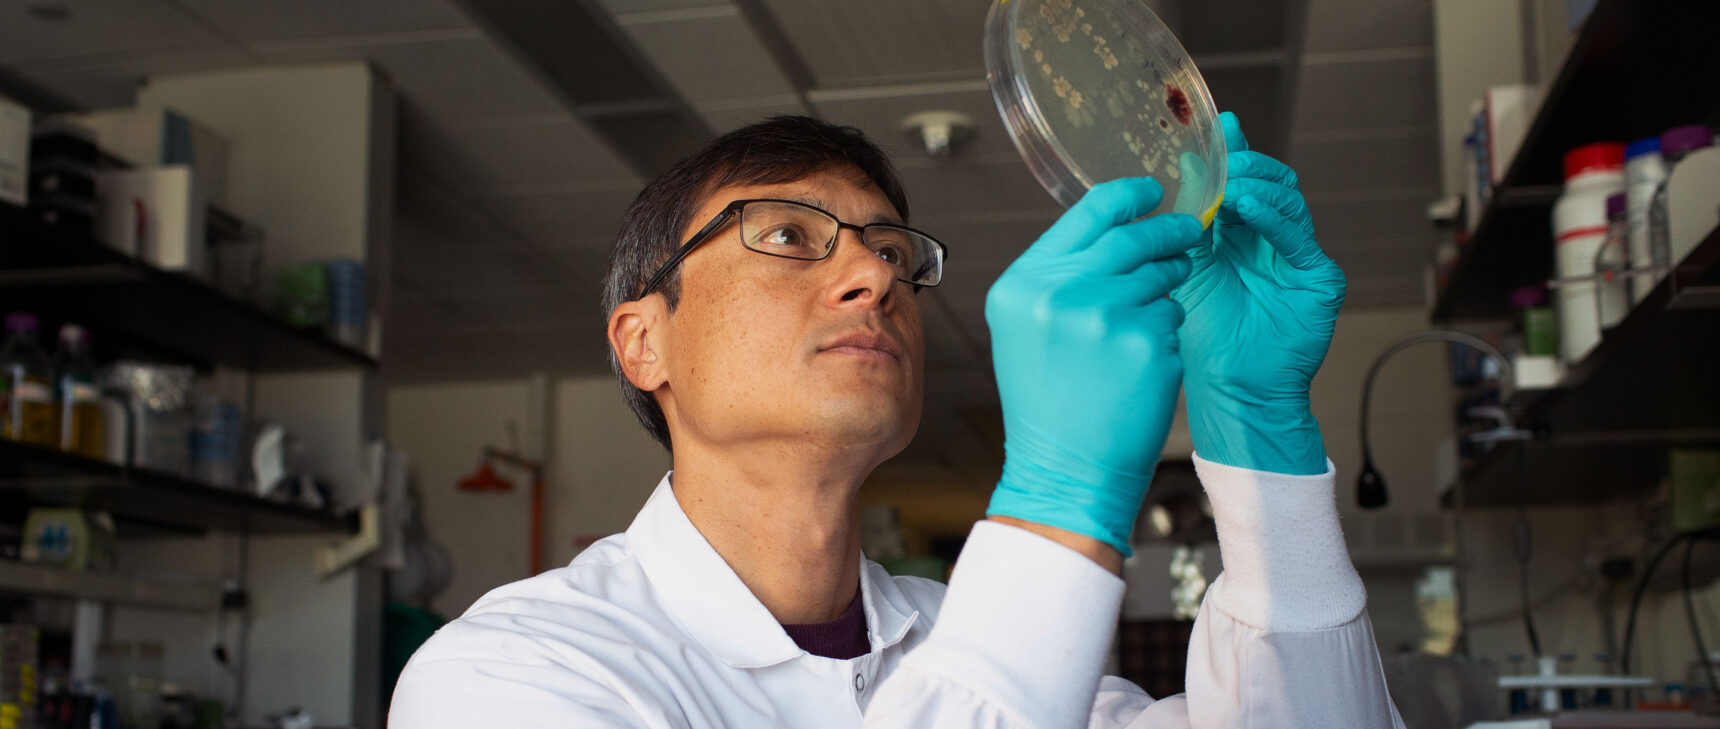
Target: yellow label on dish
(1206,217)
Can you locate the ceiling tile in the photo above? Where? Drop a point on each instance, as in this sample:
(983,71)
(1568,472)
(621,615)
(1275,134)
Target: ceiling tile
(96,27)
(1233,26)
(1347,25)
(454,75)
(847,43)
(619,7)
(714,56)
(274,19)
(446,271)
(1255,95)
(731,114)
(1387,93)
(113,80)
(436,221)
(962,185)
(562,220)
(1403,220)
(1368,164)
(511,150)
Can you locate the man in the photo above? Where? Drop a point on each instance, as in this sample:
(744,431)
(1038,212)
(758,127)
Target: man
(739,596)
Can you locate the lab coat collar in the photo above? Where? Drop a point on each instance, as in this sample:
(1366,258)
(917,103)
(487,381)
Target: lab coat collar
(709,601)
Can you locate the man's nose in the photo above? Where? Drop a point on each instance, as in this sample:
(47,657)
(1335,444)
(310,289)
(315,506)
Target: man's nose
(861,276)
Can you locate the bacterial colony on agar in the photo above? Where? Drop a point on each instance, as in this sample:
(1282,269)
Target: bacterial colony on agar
(1094,90)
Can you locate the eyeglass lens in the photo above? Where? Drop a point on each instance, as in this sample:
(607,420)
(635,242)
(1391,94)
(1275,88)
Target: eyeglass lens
(792,230)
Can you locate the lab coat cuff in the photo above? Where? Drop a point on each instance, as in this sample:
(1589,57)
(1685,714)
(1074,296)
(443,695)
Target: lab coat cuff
(1286,567)
(1026,623)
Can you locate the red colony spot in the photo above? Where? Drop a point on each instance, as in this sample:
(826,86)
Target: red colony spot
(1178,102)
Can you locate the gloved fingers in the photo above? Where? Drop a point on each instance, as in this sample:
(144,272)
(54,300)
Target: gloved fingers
(1289,239)
(1125,247)
(1233,140)
(1254,165)
(1287,202)
(1106,206)
(1151,281)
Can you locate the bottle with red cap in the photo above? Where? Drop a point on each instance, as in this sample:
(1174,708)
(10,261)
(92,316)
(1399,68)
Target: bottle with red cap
(1593,172)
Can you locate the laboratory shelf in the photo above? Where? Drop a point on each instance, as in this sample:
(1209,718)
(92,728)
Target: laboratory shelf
(136,308)
(1635,69)
(1648,386)
(146,502)
(38,580)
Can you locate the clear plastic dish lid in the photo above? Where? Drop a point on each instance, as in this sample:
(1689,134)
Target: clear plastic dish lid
(1094,90)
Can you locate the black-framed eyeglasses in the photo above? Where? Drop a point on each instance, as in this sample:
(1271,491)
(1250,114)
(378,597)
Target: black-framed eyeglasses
(789,229)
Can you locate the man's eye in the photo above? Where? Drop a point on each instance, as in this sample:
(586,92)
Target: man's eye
(892,254)
(785,236)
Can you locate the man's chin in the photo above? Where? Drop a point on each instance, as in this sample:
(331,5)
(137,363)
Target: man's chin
(885,423)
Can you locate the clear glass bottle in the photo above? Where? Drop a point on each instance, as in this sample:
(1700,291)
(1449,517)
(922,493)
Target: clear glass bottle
(26,379)
(1612,266)
(78,395)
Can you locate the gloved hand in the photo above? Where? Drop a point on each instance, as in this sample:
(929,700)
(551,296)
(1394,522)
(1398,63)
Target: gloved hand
(1261,304)
(1084,344)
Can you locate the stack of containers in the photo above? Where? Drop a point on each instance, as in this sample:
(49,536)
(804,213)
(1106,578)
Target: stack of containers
(1593,172)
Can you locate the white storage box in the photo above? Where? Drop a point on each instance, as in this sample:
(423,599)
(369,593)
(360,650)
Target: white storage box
(150,136)
(155,214)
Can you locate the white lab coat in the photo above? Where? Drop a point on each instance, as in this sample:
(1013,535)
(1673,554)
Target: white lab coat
(651,628)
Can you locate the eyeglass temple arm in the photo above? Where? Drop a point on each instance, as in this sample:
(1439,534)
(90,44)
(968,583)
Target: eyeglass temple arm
(686,248)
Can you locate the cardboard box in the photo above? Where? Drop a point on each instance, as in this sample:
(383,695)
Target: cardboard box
(150,136)
(14,152)
(156,214)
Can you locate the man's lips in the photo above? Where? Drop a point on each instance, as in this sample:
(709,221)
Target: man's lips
(865,343)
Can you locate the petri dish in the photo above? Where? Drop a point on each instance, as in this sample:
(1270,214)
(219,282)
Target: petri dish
(1094,90)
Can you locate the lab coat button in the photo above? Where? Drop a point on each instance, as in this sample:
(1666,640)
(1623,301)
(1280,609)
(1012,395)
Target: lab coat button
(859,682)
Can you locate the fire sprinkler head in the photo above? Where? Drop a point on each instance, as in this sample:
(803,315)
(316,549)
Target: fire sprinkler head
(939,133)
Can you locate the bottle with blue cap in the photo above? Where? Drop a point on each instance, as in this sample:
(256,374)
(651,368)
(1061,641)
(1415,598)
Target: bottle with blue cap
(1644,170)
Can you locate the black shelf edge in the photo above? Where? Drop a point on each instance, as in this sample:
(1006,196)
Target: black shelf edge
(131,305)
(147,502)
(1573,470)
(1636,69)
(1648,386)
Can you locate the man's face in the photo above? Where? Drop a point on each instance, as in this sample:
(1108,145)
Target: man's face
(822,353)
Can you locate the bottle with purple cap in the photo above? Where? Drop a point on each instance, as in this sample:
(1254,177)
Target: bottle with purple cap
(1612,266)
(26,381)
(1675,145)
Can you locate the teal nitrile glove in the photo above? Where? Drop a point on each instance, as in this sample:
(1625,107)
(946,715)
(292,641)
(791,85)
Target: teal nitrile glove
(1262,301)
(1084,343)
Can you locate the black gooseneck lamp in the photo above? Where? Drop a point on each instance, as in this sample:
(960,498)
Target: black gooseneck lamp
(1370,485)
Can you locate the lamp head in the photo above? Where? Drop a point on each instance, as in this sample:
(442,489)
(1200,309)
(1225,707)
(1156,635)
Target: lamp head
(1371,487)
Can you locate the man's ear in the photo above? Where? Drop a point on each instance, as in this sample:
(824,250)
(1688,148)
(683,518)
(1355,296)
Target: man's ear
(633,327)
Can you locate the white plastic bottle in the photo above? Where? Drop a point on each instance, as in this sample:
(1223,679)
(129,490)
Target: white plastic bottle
(1592,173)
(1679,146)
(1644,171)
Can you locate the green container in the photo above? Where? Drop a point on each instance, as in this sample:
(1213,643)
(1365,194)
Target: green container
(1695,476)
(1540,331)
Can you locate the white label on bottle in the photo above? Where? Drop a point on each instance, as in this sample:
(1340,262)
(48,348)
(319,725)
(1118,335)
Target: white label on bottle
(81,392)
(32,391)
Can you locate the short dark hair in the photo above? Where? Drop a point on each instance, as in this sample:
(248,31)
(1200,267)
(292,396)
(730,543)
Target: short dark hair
(777,150)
